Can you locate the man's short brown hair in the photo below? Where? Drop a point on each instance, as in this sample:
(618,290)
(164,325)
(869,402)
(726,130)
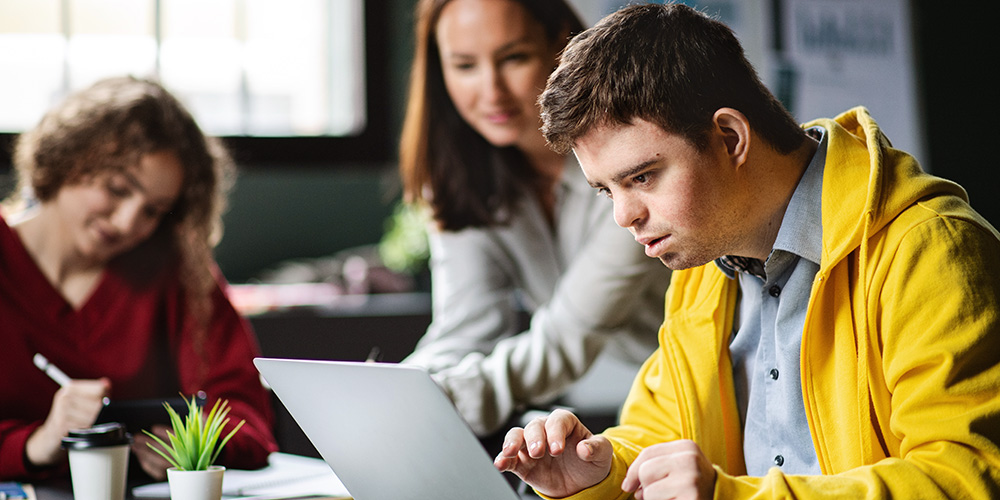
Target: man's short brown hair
(667,64)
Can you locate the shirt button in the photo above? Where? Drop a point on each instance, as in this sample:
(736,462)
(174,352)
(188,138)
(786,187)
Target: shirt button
(773,373)
(779,460)
(774,291)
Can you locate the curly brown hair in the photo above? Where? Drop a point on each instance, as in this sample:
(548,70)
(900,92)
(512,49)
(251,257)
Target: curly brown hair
(110,126)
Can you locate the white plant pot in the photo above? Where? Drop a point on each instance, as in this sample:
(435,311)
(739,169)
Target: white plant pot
(196,484)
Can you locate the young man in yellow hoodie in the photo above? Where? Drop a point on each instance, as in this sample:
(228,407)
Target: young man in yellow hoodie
(834,327)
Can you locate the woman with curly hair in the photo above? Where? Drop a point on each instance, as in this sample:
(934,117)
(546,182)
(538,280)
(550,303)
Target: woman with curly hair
(106,270)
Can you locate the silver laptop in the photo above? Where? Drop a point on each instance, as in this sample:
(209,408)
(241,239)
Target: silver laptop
(386,430)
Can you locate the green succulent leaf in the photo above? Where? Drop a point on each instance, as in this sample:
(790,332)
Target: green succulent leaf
(194,442)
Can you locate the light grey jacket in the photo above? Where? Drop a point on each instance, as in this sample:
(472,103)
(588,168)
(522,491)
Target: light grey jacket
(587,286)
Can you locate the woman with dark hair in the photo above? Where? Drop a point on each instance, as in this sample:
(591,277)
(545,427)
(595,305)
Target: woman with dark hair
(106,270)
(515,225)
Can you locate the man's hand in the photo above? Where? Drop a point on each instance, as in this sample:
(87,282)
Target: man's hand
(677,469)
(556,455)
(75,406)
(151,461)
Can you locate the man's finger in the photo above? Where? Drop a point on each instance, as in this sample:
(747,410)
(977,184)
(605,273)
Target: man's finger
(535,438)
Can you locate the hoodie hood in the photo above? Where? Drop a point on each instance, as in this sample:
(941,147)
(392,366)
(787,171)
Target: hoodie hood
(860,154)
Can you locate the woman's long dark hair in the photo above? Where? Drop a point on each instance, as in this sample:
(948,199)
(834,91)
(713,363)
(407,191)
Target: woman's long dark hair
(444,162)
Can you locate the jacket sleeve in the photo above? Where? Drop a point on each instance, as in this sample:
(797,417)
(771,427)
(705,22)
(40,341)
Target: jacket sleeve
(648,417)
(229,374)
(932,314)
(608,286)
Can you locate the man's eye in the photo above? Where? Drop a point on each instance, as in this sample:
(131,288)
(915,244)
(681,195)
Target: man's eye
(604,192)
(640,179)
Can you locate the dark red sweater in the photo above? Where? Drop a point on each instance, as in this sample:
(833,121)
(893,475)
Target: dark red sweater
(136,331)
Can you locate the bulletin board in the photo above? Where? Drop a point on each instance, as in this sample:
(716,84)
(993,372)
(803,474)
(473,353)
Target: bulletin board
(843,53)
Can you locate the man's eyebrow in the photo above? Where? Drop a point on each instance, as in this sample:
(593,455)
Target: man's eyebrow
(620,176)
(634,170)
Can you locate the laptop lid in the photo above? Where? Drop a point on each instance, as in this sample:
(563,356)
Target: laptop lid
(386,430)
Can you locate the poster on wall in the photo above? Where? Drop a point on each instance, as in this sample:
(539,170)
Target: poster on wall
(747,18)
(844,53)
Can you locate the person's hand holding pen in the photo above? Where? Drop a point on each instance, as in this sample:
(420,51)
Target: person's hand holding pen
(75,405)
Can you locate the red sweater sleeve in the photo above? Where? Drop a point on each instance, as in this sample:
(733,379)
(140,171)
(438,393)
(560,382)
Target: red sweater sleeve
(13,437)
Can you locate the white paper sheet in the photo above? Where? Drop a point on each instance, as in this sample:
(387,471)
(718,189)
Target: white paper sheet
(285,476)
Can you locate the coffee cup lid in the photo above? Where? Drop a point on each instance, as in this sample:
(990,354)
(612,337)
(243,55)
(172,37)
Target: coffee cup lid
(98,436)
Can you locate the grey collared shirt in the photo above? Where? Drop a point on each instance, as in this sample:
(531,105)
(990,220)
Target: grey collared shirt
(767,336)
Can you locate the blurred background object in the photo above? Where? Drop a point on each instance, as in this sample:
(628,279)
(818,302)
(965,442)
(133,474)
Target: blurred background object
(309,93)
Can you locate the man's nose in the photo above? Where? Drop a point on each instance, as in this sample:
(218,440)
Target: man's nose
(628,211)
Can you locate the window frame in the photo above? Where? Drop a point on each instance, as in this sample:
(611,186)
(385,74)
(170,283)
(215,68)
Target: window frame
(372,145)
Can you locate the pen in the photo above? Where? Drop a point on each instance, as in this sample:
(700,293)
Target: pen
(51,370)
(56,374)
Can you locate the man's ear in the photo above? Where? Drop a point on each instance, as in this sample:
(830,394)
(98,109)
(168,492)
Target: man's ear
(735,130)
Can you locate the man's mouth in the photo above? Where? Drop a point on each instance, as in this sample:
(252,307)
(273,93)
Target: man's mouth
(652,245)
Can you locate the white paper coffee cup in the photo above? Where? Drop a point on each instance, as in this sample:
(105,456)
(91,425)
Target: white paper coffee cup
(98,462)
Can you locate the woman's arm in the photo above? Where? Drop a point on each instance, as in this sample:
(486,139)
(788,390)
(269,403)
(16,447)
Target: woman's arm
(609,289)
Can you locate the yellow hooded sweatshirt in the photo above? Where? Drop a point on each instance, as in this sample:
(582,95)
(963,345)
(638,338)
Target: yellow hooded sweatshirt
(900,357)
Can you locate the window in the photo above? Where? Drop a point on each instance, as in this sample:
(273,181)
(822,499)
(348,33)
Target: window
(281,81)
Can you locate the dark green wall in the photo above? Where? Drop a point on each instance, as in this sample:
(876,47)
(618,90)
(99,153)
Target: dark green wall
(282,213)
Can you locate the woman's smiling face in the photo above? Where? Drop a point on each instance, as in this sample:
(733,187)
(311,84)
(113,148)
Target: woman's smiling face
(495,60)
(113,212)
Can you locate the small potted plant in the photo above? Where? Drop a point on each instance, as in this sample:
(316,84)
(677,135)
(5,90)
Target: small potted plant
(194,445)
